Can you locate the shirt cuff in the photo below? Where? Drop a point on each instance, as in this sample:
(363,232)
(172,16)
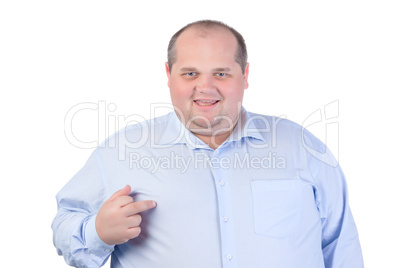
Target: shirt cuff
(95,245)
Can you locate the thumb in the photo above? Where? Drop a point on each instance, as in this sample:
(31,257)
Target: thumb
(122,192)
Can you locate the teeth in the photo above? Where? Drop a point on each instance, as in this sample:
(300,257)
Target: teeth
(206,102)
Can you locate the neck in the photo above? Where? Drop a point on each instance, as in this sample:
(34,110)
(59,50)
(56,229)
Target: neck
(214,141)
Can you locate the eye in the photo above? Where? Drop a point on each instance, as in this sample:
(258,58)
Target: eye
(221,74)
(191,74)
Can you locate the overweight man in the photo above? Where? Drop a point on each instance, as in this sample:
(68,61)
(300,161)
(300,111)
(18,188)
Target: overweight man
(209,184)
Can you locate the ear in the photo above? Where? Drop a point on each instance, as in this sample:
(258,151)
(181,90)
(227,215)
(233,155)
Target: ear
(245,76)
(167,73)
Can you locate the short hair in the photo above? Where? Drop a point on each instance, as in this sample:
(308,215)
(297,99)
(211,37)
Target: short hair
(241,54)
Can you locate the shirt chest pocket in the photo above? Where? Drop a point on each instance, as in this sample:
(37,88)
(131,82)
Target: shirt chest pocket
(276,207)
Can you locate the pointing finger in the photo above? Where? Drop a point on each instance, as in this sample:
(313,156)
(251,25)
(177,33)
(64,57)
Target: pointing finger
(141,206)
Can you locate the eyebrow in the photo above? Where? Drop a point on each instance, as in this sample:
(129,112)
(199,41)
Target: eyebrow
(193,69)
(226,69)
(188,69)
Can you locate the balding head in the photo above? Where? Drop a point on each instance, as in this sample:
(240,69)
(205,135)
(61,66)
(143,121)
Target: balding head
(203,27)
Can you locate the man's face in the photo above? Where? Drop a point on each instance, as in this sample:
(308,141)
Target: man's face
(206,83)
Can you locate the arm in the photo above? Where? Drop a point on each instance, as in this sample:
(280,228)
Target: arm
(87,227)
(74,232)
(340,241)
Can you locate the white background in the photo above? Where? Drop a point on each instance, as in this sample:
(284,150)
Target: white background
(303,55)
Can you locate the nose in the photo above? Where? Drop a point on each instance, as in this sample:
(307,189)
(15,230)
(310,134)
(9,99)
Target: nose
(205,84)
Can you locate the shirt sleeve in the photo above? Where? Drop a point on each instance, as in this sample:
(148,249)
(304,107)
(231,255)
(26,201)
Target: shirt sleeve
(74,232)
(340,241)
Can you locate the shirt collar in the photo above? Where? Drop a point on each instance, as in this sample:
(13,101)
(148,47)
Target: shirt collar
(176,133)
(246,127)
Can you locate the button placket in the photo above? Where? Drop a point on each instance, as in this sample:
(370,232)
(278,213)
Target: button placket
(223,194)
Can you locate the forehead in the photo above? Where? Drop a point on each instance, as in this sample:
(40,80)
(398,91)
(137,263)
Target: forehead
(205,41)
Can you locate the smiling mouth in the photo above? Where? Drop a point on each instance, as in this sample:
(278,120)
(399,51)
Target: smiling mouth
(206,102)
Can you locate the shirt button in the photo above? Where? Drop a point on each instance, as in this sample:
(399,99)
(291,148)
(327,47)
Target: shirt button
(107,250)
(221,183)
(225,219)
(229,256)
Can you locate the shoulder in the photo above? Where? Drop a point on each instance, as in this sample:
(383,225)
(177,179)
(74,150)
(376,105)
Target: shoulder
(281,127)
(286,134)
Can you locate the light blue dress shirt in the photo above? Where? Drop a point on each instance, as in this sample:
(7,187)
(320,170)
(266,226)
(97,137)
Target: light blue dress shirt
(271,195)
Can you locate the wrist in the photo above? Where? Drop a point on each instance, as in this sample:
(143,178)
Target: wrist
(93,240)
